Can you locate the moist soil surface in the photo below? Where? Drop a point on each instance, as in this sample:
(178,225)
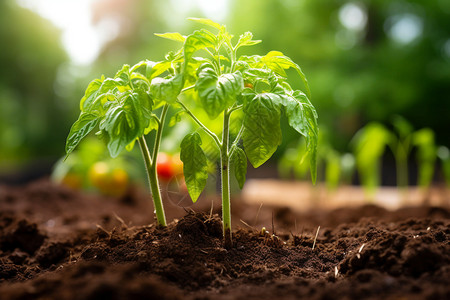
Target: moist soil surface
(56,243)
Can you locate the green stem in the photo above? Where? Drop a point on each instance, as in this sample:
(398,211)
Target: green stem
(236,108)
(233,59)
(236,141)
(160,131)
(225,159)
(150,167)
(187,89)
(216,62)
(209,132)
(402,168)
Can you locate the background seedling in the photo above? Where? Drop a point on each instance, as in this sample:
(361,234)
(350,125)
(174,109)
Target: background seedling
(338,167)
(443,153)
(369,144)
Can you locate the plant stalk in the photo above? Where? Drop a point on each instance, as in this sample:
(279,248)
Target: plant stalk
(402,171)
(225,170)
(159,132)
(199,123)
(150,167)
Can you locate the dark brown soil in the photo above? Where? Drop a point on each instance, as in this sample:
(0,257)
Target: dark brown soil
(56,243)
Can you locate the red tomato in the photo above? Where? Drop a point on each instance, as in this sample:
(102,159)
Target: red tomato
(168,166)
(164,166)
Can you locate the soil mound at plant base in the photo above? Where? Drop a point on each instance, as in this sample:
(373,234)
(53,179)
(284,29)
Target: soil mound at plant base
(374,254)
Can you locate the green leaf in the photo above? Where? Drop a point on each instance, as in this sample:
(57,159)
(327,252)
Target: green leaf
(130,146)
(257,74)
(166,89)
(302,117)
(174,36)
(152,125)
(139,65)
(198,40)
(195,165)
(424,140)
(99,103)
(216,93)
(262,132)
(82,127)
(402,126)
(241,66)
(369,144)
(146,104)
(206,22)
(176,118)
(101,91)
(246,40)
(91,93)
(139,81)
(191,71)
(278,62)
(239,159)
(332,170)
(154,69)
(245,96)
(122,77)
(123,122)
(253,61)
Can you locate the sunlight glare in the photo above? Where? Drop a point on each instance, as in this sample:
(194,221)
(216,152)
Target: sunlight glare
(215,10)
(181,9)
(80,38)
(353,16)
(404,28)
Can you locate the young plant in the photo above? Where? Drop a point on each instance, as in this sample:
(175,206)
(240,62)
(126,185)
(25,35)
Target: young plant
(443,153)
(424,141)
(403,140)
(249,93)
(122,108)
(401,145)
(369,144)
(371,141)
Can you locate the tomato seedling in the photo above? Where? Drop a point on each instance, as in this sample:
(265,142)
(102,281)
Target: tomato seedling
(123,107)
(254,87)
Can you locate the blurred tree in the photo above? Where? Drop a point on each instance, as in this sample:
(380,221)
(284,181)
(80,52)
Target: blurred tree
(31,124)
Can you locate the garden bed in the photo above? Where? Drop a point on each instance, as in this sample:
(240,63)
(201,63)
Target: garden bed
(56,243)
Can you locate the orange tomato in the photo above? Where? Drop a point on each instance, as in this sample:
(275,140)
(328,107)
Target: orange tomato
(177,165)
(72,180)
(108,180)
(248,85)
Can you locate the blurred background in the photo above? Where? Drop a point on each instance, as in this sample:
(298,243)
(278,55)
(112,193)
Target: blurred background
(366,61)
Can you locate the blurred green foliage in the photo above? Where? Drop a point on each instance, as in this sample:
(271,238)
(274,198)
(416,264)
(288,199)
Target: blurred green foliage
(365,60)
(29,58)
